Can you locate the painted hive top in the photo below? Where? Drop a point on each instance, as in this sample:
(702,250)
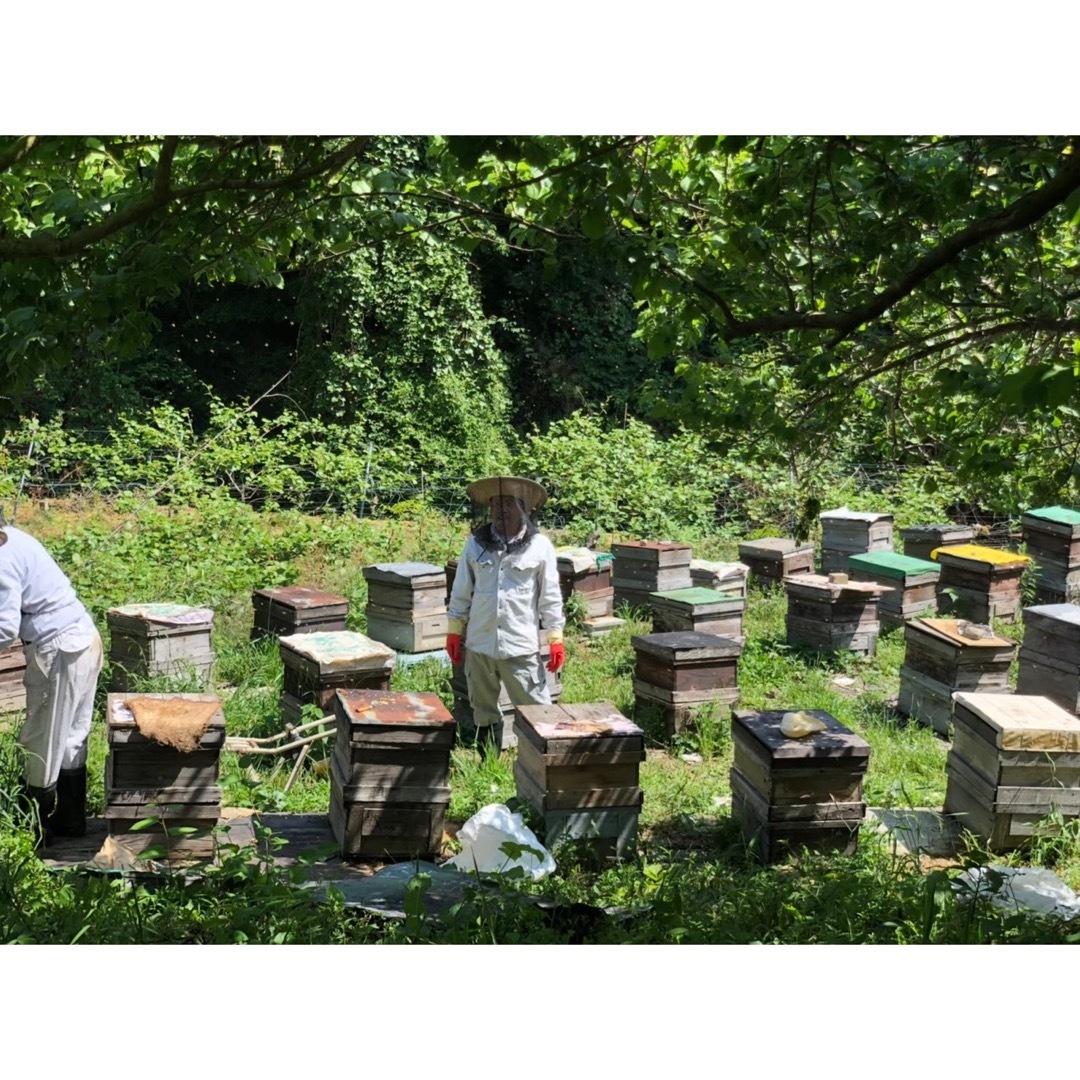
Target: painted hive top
(1063,515)
(952,630)
(686,645)
(168,614)
(338,648)
(892,565)
(695,596)
(302,596)
(393,708)
(1024,722)
(844,514)
(836,741)
(978,553)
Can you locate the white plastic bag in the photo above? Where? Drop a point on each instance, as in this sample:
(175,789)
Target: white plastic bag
(797,725)
(1030,888)
(483,835)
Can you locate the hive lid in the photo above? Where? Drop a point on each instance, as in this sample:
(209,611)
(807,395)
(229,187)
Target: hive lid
(302,596)
(979,553)
(930,530)
(575,560)
(338,648)
(1024,722)
(686,644)
(167,614)
(631,546)
(582,722)
(783,544)
(720,570)
(389,708)
(844,514)
(949,629)
(696,596)
(1063,515)
(1066,613)
(836,590)
(891,565)
(836,741)
(119,713)
(403,573)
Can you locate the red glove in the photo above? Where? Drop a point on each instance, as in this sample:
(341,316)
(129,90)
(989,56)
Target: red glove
(455,648)
(558,656)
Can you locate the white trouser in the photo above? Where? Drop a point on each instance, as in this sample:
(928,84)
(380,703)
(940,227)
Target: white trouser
(523,677)
(61,677)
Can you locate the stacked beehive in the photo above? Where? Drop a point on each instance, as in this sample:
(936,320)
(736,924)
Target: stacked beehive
(945,655)
(147,640)
(773,558)
(797,792)
(318,664)
(463,713)
(390,774)
(1014,761)
(296,609)
(705,610)
(587,575)
(921,540)
(1050,654)
(648,566)
(1052,538)
(833,616)
(725,577)
(577,765)
(911,583)
(406,606)
(12,670)
(163,763)
(847,532)
(979,583)
(684,672)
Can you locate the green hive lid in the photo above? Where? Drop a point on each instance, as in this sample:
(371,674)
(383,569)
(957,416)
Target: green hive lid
(1061,514)
(892,565)
(696,596)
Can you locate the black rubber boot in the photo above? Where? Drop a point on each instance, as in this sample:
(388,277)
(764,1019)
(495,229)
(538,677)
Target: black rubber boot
(39,803)
(489,740)
(69,817)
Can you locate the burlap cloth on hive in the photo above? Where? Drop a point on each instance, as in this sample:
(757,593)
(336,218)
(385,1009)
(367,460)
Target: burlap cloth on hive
(179,724)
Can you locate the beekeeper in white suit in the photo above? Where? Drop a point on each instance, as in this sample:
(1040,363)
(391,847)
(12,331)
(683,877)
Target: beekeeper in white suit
(63,659)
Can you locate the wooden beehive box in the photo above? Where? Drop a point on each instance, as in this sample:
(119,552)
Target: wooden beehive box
(940,659)
(318,664)
(911,583)
(406,606)
(146,778)
(805,792)
(772,558)
(148,640)
(12,670)
(582,574)
(1014,761)
(847,532)
(577,765)
(1052,538)
(704,610)
(296,609)
(645,566)
(921,540)
(389,775)
(832,616)
(725,577)
(1050,654)
(979,583)
(682,672)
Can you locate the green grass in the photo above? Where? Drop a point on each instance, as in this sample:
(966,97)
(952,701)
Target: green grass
(697,879)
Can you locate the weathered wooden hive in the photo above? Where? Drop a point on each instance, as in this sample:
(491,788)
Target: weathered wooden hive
(979,583)
(705,610)
(318,664)
(940,658)
(847,532)
(12,670)
(1015,759)
(646,566)
(577,765)
(581,572)
(296,609)
(921,540)
(1052,538)
(390,774)
(683,672)
(147,640)
(832,616)
(911,583)
(463,712)
(1050,654)
(726,577)
(406,606)
(807,792)
(163,763)
(773,558)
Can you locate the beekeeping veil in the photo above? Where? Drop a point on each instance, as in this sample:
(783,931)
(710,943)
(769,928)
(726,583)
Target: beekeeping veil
(504,508)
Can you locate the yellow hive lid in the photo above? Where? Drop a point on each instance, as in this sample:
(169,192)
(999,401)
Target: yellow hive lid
(978,553)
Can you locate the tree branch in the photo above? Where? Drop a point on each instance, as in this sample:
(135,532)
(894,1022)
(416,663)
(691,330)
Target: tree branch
(17,151)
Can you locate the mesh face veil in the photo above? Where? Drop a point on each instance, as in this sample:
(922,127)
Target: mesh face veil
(503,511)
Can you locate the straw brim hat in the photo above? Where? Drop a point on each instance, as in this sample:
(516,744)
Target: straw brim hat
(528,491)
